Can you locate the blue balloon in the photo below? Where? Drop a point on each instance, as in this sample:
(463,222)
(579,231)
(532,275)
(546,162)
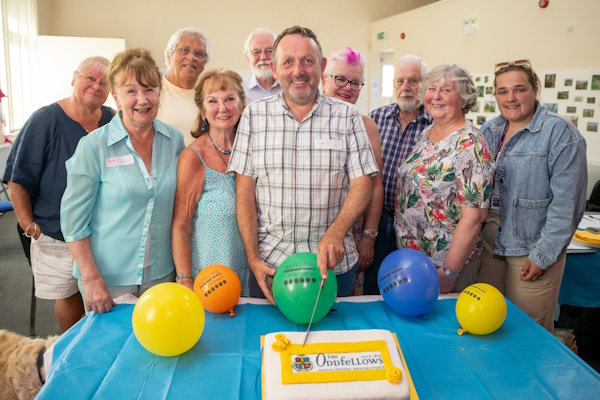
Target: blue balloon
(408,282)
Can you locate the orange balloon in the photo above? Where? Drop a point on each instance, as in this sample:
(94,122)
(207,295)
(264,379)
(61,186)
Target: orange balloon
(218,288)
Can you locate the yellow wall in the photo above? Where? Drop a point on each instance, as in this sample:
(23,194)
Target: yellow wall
(227,23)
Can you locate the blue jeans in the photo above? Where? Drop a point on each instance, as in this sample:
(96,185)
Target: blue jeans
(384,245)
(345,281)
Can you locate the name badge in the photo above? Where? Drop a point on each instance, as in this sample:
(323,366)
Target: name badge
(329,144)
(495,203)
(119,160)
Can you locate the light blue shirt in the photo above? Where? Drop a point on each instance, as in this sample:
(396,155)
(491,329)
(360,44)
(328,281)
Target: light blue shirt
(111,198)
(254,91)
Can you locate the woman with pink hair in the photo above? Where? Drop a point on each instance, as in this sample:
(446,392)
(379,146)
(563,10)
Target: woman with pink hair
(343,79)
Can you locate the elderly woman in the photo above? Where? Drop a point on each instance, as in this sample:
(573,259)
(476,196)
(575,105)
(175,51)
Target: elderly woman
(538,196)
(117,209)
(37,178)
(445,182)
(205,229)
(343,79)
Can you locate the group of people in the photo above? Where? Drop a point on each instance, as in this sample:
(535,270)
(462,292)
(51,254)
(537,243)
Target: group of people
(199,168)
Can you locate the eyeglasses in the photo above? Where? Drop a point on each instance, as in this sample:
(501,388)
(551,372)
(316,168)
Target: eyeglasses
(184,51)
(93,80)
(524,62)
(257,52)
(341,81)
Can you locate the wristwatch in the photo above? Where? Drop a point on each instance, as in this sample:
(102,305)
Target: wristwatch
(371,232)
(447,272)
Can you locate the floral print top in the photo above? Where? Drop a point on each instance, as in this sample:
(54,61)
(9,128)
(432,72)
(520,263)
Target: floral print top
(434,181)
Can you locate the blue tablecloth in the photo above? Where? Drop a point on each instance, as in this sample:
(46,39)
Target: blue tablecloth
(100,357)
(581,281)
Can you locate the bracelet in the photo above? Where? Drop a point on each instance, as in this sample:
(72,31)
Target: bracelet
(184,275)
(27,229)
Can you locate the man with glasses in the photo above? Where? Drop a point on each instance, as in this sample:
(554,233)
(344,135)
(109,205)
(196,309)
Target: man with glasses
(258,49)
(399,126)
(186,54)
(303,168)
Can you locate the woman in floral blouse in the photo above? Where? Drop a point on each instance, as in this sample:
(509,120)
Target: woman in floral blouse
(445,182)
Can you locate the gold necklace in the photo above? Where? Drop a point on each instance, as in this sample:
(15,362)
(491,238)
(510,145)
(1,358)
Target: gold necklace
(145,142)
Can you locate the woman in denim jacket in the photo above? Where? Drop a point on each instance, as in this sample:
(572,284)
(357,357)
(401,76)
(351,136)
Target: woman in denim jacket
(538,196)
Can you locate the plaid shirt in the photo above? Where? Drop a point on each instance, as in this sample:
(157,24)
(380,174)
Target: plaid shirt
(395,145)
(302,171)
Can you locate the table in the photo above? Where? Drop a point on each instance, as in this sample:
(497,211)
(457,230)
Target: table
(581,282)
(100,357)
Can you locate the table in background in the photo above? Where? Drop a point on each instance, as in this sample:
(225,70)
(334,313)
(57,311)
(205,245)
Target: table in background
(581,282)
(101,358)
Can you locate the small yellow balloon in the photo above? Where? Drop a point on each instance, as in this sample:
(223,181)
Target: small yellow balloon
(480,309)
(168,319)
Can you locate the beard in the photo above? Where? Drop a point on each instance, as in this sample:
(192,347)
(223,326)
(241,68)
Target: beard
(408,103)
(262,70)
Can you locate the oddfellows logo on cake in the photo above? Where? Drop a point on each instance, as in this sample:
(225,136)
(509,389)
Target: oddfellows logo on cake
(336,362)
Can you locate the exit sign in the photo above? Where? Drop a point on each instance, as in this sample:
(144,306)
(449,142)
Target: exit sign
(380,35)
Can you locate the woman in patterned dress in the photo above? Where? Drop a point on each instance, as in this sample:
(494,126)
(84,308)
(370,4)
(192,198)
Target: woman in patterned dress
(445,182)
(205,230)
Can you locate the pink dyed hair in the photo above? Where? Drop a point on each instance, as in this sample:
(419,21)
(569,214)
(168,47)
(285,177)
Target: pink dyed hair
(349,55)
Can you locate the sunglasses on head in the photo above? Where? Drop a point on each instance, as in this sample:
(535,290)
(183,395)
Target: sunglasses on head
(524,62)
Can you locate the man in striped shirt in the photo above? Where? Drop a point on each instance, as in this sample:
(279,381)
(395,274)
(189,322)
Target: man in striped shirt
(399,126)
(303,167)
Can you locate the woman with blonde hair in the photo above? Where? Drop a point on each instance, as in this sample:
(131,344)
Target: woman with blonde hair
(205,229)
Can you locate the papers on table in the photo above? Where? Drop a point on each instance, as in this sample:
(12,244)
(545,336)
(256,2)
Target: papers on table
(588,221)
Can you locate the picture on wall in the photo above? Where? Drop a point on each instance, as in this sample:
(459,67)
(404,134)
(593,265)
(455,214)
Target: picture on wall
(552,107)
(479,91)
(581,85)
(475,107)
(592,127)
(588,113)
(480,120)
(578,99)
(574,119)
(595,82)
(485,79)
(568,82)
(478,79)
(571,109)
(563,95)
(489,107)
(591,100)
(550,81)
(488,90)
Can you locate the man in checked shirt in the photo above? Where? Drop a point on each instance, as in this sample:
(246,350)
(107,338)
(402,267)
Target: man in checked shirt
(399,126)
(303,165)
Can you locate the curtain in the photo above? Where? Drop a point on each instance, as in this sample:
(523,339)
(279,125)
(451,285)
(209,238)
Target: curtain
(19,34)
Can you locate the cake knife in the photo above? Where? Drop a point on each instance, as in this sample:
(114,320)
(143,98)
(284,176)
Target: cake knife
(314,309)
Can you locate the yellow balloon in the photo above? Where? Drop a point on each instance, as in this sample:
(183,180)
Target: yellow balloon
(168,319)
(480,309)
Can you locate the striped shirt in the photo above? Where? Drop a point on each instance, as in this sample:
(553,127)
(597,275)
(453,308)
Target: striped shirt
(395,145)
(302,172)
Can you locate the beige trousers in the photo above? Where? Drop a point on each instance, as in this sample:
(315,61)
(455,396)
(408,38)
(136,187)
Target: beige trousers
(537,298)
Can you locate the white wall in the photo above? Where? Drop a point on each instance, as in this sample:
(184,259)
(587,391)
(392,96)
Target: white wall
(506,30)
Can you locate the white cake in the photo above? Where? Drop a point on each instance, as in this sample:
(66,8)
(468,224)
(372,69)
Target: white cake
(363,364)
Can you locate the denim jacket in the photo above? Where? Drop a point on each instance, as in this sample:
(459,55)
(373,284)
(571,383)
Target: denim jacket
(542,179)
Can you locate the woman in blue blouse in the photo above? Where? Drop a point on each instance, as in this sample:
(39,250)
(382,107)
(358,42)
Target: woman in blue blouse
(117,209)
(538,196)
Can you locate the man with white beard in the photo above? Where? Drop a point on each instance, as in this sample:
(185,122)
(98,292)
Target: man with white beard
(399,126)
(258,50)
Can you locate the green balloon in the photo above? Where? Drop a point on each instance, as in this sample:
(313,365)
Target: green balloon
(296,285)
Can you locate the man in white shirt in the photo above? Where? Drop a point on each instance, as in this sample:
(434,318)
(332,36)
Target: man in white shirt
(258,50)
(186,54)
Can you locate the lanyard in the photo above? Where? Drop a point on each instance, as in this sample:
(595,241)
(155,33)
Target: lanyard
(502,138)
